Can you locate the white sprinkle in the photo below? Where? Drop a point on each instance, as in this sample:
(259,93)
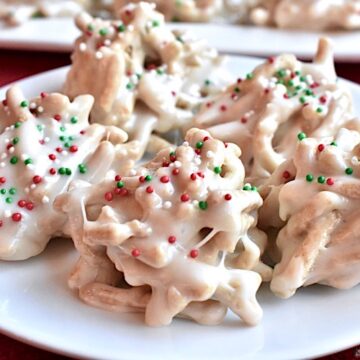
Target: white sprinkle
(197,160)
(185,143)
(130,28)
(3,156)
(11,150)
(45,200)
(99,55)
(167,205)
(195,202)
(32,105)
(12,127)
(149,231)
(40,109)
(33,186)
(30,166)
(209,154)
(7,141)
(107,42)
(7,128)
(65,153)
(7,213)
(57,161)
(24,156)
(46,139)
(27,190)
(82,47)
(2,164)
(132,172)
(177,163)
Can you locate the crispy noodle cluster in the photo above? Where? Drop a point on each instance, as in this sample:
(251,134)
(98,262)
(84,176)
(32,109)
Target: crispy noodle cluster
(181,233)
(45,144)
(317,212)
(264,112)
(144,77)
(298,14)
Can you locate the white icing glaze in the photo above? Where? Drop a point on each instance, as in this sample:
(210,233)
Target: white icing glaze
(164,230)
(41,153)
(143,76)
(265,112)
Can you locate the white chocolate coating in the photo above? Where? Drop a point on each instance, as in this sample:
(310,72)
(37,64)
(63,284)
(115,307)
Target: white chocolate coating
(144,77)
(265,112)
(45,144)
(298,14)
(16,12)
(165,230)
(318,210)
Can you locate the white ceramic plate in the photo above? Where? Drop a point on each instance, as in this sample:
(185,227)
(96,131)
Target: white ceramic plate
(59,34)
(37,307)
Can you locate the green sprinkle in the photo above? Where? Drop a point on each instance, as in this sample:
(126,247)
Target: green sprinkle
(62,128)
(9,200)
(14,160)
(155,23)
(247,187)
(3,191)
(71,138)
(74,119)
(12,191)
(103,32)
(207,82)
(179,38)
(309,177)
(199,144)
(299,87)
(173,153)
(302,78)
(301,136)
(148,178)
(120,184)
(90,27)
(333,143)
(281,73)
(237,90)
(303,99)
(319,110)
(349,171)
(62,138)
(68,171)
(297,72)
(67,144)
(321,179)
(18,124)
(28,161)
(24,104)
(160,71)
(82,168)
(203,205)
(254,188)
(62,171)
(40,127)
(121,28)
(15,140)
(217,169)
(308,92)
(129,86)
(291,83)
(249,76)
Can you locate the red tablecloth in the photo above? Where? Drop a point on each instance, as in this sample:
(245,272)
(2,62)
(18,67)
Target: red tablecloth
(16,65)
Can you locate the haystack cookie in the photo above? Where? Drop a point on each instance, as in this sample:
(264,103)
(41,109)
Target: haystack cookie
(264,112)
(16,12)
(144,77)
(181,233)
(317,210)
(46,143)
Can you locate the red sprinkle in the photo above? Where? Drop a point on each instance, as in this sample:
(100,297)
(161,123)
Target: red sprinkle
(4,102)
(9,146)
(271,60)
(59,149)
(206,138)
(176,171)
(244,120)
(172,158)
(194,253)
(198,151)
(123,192)
(321,147)
(142,179)
(2,180)
(117,178)
(184,197)
(323,99)
(52,171)
(30,205)
(164,179)
(16,217)
(1,223)
(43,94)
(286,174)
(209,104)
(109,196)
(57,117)
(223,108)
(52,157)
(199,173)
(37,179)
(149,189)
(239,80)
(193,176)
(82,132)
(172,239)
(165,164)
(73,148)
(22,203)
(330,181)
(227,197)
(135,253)
(42,141)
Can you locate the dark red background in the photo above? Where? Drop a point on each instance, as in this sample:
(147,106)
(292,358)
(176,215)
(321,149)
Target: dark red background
(18,64)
